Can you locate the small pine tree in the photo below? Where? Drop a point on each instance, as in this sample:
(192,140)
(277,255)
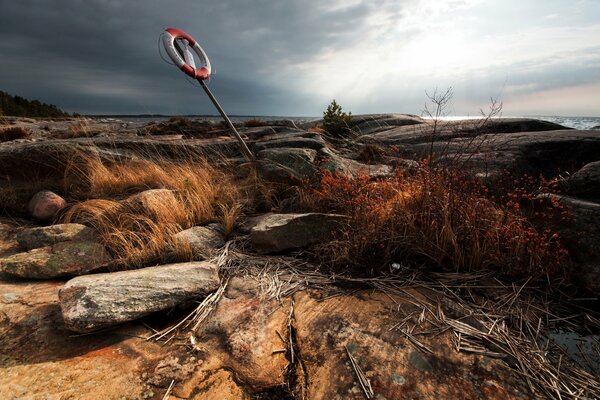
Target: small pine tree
(335,121)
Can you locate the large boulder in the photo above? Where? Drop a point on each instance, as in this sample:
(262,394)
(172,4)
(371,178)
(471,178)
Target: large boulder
(580,234)
(45,204)
(98,301)
(61,259)
(585,183)
(201,241)
(32,238)
(345,166)
(314,143)
(279,232)
(287,165)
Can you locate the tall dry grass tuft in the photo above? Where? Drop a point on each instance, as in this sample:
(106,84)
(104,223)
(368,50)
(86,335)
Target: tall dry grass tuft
(436,217)
(137,206)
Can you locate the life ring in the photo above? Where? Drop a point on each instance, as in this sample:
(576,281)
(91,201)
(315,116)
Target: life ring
(169,38)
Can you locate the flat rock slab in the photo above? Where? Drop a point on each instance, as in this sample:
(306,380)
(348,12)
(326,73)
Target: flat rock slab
(62,259)
(279,232)
(34,238)
(98,301)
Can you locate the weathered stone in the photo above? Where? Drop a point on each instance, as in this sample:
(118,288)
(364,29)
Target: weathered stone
(362,324)
(61,259)
(202,241)
(585,183)
(340,165)
(580,234)
(314,143)
(280,232)
(243,335)
(45,204)
(33,238)
(287,165)
(97,301)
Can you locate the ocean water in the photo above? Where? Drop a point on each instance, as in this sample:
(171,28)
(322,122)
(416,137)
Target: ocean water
(583,123)
(572,122)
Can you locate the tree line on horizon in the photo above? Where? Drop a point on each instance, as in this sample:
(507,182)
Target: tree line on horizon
(17,106)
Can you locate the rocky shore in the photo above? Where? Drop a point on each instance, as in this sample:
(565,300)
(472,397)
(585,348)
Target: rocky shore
(248,315)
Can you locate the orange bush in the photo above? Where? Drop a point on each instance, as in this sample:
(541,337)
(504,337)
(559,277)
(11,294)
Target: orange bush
(436,217)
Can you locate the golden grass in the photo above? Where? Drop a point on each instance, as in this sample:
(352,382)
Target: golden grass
(137,206)
(13,132)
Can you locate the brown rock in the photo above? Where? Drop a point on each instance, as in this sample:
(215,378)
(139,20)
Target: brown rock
(44,205)
(61,259)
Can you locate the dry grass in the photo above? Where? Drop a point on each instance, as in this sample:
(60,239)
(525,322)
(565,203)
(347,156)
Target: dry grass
(435,218)
(137,224)
(13,132)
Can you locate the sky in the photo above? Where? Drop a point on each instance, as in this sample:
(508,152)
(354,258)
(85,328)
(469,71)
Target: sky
(292,57)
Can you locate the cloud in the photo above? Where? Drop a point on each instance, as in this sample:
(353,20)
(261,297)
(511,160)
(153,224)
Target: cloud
(292,57)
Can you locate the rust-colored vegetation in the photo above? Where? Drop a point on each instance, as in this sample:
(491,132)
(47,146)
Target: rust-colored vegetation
(433,218)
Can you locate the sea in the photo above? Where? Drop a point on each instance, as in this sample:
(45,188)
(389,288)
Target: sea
(583,123)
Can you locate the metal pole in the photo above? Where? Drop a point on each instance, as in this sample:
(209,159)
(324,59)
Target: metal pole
(247,153)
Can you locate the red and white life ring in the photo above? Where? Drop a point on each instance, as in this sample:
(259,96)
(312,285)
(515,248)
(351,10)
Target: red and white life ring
(169,38)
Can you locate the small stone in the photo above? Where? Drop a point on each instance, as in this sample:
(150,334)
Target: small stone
(44,205)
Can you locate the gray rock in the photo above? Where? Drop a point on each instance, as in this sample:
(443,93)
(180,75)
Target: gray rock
(367,124)
(33,238)
(45,204)
(279,232)
(341,165)
(98,301)
(581,236)
(61,259)
(315,143)
(585,183)
(287,165)
(202,241)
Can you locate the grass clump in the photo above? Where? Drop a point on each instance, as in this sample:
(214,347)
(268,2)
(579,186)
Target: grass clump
(13,132)
(137,206)
(436,217)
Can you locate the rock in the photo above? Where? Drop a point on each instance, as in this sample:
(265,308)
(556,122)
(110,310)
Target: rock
(314,143)
(280,232)
(44,205)
(533,153)
(366,124)
(61,259)
(584,183)
(97,301)
(202,241)
(242,336)
(33,238)
(581,236)
(363,323)
(287,165)
(336,164)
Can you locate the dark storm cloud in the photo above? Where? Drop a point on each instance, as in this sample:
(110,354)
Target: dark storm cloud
(102,55)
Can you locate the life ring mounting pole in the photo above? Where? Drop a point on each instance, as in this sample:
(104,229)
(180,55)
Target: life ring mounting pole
(247,153)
